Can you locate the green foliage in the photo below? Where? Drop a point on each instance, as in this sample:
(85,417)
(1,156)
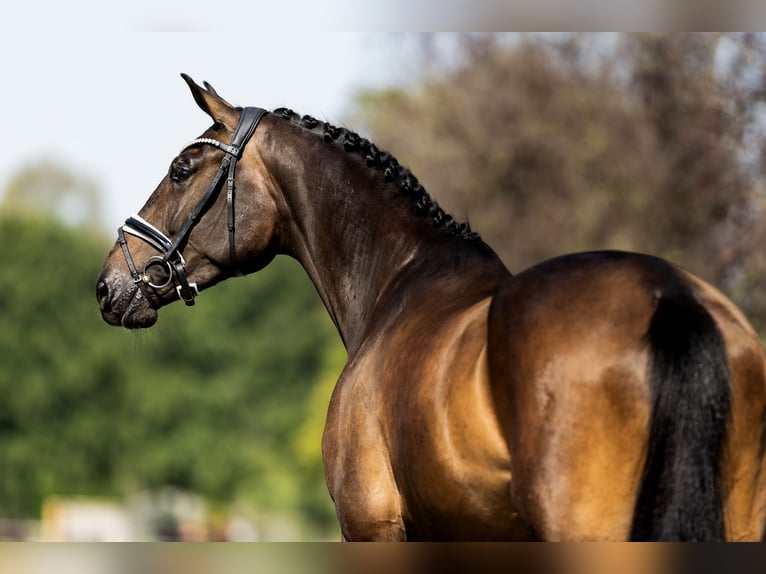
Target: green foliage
(57,426)
(231,382)
(210,400)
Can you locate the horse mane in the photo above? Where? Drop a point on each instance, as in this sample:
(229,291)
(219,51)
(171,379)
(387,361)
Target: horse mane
(392,171)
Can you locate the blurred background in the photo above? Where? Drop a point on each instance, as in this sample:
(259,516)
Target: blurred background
(208,426)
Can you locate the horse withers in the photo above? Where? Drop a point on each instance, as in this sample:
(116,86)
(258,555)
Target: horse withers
(595,396)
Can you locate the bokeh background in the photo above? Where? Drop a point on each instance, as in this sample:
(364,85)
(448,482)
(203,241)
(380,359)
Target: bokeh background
(208,426)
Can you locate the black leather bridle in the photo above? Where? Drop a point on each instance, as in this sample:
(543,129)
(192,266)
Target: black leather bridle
(172,259)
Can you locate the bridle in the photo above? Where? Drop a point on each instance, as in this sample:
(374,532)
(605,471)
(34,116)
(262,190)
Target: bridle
(172,259)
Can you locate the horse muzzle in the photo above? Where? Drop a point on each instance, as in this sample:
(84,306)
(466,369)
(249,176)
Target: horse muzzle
(122,303)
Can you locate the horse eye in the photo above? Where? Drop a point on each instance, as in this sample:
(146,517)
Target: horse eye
(179,173)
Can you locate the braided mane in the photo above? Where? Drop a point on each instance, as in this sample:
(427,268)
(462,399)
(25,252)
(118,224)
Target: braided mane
(382,161)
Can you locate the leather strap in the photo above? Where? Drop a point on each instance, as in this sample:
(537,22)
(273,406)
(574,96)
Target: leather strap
(248,122)
(137,279)
(245,129)
(230,217)
(198,210)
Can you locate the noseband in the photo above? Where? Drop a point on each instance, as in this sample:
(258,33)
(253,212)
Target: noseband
(172,259)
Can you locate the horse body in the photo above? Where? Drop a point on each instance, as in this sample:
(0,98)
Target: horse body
(476,404)
(533,398)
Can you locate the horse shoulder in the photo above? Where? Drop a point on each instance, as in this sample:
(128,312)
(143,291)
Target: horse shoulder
(412,418)
(357,461)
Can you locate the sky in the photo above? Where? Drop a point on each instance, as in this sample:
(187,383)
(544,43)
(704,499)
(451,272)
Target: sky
(96,85)
(113,107)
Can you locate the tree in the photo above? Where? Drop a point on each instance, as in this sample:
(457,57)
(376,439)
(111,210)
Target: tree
(210,400)
(49,186)
(549,145)
(57,431)
(230,386)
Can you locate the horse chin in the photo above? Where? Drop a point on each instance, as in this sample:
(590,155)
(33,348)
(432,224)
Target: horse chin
(138,314)
(139,319)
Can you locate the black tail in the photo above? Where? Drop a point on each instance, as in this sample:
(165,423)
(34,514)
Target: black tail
(680,493)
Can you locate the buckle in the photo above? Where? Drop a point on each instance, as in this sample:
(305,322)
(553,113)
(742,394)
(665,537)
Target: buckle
(156,260)
(194,292)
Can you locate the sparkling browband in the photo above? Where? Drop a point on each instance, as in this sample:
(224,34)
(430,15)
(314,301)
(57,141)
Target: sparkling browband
(215,143)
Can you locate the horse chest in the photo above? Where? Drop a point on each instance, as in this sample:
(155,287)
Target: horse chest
(438,466)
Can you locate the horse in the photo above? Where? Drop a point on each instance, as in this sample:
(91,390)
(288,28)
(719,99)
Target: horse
(594,396)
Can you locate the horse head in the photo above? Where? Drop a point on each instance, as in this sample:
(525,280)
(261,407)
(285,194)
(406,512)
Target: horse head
(212,216)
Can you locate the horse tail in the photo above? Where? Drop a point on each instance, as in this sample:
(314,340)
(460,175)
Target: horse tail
(680,491)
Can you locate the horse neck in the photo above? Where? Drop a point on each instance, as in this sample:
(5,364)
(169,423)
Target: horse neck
(359,241)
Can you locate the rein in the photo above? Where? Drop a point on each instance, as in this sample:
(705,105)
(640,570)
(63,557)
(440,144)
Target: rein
(172,259)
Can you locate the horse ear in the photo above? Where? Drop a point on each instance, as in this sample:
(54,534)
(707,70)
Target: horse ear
(211,89)
(212,104)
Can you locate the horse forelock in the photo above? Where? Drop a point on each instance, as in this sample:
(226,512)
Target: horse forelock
(389,168)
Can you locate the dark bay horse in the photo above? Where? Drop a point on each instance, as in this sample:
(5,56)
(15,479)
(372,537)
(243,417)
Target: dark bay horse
(596,396)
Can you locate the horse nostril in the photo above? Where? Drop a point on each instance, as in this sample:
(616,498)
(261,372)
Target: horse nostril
(102,294)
